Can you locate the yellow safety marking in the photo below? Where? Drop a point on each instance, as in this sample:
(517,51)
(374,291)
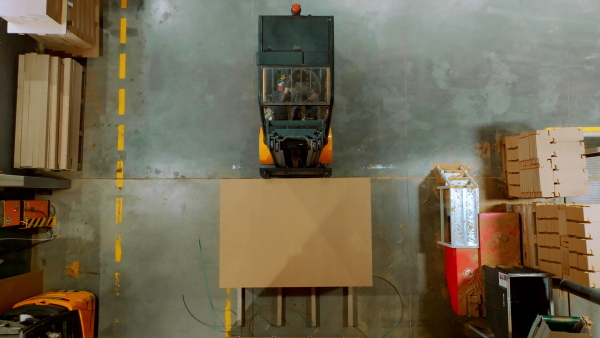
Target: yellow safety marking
(121,138)
(122,64)
(123,3)
(122,101)
(117,284)
(584,129)
(228,314)
(123,30)
(119,174)
(118,249)
(119,211)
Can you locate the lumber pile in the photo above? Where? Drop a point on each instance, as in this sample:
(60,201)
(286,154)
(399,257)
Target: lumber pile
(49,105)
(69,26)
(546,163)
(568,241)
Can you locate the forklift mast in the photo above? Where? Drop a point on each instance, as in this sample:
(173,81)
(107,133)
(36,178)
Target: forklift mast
(295,94)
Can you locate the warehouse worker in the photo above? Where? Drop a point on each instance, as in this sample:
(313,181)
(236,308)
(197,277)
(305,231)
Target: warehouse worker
(303,86)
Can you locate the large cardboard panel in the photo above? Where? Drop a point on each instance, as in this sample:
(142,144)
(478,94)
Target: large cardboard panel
(18,288)
(295,233)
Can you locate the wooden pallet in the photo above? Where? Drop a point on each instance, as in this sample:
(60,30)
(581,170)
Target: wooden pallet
(49,106)
(71,27)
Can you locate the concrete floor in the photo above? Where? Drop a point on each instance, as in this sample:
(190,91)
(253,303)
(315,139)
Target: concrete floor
(417,83)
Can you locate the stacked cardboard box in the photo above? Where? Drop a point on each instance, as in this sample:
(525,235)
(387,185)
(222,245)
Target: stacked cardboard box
(568,241)
(551,163)
(552,248)
(511,165)
(583,228)
(48,113)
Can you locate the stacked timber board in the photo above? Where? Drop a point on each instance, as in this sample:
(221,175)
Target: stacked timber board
(48,113)
(568,241)
(546,163)
(60,25)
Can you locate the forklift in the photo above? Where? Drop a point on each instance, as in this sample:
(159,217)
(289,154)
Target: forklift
(295,94)
(60,314)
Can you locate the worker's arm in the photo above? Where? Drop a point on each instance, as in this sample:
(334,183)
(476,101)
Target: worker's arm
(286,95)
(313,96)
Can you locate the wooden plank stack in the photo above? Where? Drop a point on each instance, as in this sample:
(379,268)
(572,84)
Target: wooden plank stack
(568,241)
(60,25)
(546,163)
(48,128)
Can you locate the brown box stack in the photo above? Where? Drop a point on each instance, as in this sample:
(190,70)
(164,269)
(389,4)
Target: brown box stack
(546,163)
(568,241)
(583,228)
(511,165)
(550,250)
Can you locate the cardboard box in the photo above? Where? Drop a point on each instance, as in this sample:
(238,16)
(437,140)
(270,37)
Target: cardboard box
(568,176)
(571,189)
(512,167)
(551,240)
(591,279)
(588,263)
(581,246)
(546,210)
(584,230)
(574,260)
(513,179)
(514,191)
(583,213)
(568,162)
(543,329)
(570,134)
(566,149)
(539,181)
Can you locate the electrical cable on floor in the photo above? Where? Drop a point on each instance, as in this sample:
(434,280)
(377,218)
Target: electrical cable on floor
(38,240)
(401,305)
(212,307)
(198,320)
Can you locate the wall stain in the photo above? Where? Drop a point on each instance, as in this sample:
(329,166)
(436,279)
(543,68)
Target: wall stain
(484,150)
(72,270)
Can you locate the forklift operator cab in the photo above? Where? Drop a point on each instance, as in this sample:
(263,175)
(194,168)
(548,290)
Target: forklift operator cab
(295,94)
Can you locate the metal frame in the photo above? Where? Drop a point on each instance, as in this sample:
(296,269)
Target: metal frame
(508,295)
(463,209)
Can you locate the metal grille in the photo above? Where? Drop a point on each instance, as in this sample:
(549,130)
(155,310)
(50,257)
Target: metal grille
(581,307)
(593,168)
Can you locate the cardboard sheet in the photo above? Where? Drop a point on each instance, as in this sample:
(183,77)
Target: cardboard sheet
(18,288)
(295,233)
